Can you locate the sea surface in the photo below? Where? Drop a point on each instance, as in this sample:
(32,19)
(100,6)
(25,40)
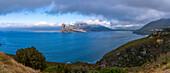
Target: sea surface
(67,47)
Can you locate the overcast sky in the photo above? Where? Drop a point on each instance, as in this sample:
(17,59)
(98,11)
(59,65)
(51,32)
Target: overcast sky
(54,12)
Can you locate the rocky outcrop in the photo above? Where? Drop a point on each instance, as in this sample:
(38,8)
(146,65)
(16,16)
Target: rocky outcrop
(84,28)
(66,29)
(64,26)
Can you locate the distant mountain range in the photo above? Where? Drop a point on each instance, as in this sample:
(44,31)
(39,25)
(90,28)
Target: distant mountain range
(153,26)
(83,27)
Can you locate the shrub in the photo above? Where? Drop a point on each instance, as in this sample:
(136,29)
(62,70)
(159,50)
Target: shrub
(31,57)
(58,69)
(166,29)
(112,70)
(80,69)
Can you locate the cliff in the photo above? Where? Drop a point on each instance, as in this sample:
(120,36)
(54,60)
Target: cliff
(84,28)
(151,49)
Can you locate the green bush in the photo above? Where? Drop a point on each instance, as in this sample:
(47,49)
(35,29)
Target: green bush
(112,70)
(166,29)
(31,57)
(58,69)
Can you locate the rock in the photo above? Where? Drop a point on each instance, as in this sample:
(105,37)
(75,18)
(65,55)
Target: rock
(64,26)
(0,44)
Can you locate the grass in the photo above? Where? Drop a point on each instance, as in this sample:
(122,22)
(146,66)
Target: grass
(9,65)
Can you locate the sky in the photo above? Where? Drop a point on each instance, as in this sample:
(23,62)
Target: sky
(114,13)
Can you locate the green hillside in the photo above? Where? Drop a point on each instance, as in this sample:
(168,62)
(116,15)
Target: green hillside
(153,26)
(137,53)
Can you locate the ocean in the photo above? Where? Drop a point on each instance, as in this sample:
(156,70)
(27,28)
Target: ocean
(67,47)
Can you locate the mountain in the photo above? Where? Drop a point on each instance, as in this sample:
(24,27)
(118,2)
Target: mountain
(9,65)
(84,28)
(153,26)
(144,53)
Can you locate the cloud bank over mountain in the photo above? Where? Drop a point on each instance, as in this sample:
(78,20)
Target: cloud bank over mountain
(120,12)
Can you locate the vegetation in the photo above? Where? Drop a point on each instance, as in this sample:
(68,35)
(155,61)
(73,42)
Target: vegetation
(58,69)
(31,57)
(168,67)
(9,65)
(139,52)
(112,70)
(166,29)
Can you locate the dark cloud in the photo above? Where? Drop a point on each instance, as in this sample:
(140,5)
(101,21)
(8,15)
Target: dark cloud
(122,11)
(127,11)
(8,6)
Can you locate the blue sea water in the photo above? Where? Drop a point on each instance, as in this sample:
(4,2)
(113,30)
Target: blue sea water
(67,47)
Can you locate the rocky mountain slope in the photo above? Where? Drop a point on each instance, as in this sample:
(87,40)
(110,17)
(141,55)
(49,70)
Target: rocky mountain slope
(9,65)
(84,28)
(153,49)
(154,26)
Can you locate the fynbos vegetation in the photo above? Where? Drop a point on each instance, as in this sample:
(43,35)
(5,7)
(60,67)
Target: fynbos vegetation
(31,57)
(139,52)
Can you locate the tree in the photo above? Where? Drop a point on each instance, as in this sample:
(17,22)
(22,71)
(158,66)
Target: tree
(31,57)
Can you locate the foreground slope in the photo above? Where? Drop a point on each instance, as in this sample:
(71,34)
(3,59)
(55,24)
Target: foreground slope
(151,49)
(154,26)
(9,65)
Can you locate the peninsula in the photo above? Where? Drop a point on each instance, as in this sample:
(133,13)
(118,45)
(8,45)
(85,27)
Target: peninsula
(83,27)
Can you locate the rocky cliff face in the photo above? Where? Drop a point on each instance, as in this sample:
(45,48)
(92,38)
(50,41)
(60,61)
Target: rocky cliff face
(64,26)
(138,52)
(84,28)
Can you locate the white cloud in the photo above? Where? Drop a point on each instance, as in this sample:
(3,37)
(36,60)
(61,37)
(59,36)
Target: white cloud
(90,22)
(38,24)
(124,26)
(96,22)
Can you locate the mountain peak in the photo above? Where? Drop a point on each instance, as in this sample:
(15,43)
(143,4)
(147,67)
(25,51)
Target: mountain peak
(154,26)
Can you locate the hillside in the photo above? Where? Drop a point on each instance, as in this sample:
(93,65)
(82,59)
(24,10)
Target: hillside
(9,65)
(84,28)
(153,26)
(152,50)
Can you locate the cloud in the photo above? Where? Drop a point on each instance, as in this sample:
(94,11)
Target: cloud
(19,25)
(8,6)
(135,11)
(122,12)
(95,22)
